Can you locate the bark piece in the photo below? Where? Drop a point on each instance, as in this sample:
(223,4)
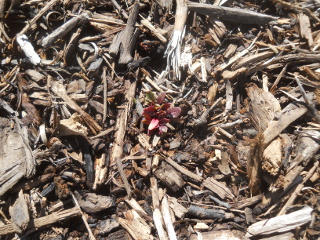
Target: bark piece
(231,14)
(281,224)
(249,202)
(35,75)
(222,234)
(60,91)
(33,115)
(253,59)
(230,75)
(106,226)
(177,208)
(218,188)
(229,98)
(170,177)
(125,41)
(135,225)
(296,8)
(155,31)
(310,104)
(204,213)
(283,236)
(93,203)
(101,169)
(305,28)
(19,213)
(263,107)
(33,183)
(84,218)
(220,203)
(224,164)
(254,164)
(306,147)
(86,150)
(155,193)
(71,126)
(135,205)
(71,47)
(272,156)
(289,114)
(119,235)
(212,92)
(16,158)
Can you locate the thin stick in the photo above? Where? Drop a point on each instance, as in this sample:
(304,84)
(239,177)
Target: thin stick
(105,102)
(39,15)
(273,88)
(165,210)
(313,110)
(153,29)
(123,176)
(183,170)
(43,221)
(91,236)
(117,6)
(239,55)
(121,125)
(64,29)
(298,189)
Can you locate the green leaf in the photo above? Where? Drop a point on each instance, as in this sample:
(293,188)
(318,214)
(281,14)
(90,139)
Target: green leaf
(151,97)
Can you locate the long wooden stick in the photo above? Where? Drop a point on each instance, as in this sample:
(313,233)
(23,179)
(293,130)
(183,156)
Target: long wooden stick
(121,126)
(231,14)
(44,221)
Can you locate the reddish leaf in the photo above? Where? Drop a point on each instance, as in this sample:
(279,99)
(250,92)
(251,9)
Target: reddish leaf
(149,111)
(153,124)
(164,121)
(175,120)
(163,129)
(165,106)
(161,97)
(174,111)
(146,121)
(147,117)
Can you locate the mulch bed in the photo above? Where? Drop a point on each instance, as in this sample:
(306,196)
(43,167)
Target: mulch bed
(159,119)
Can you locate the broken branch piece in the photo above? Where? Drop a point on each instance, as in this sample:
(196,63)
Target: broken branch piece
(173,51)
(64,29)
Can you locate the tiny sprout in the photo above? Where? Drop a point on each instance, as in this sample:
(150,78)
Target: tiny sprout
(159,113)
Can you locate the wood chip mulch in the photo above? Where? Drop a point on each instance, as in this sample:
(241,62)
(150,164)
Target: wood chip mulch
(159,119)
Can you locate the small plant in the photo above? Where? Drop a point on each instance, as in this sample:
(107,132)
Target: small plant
(159,113)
